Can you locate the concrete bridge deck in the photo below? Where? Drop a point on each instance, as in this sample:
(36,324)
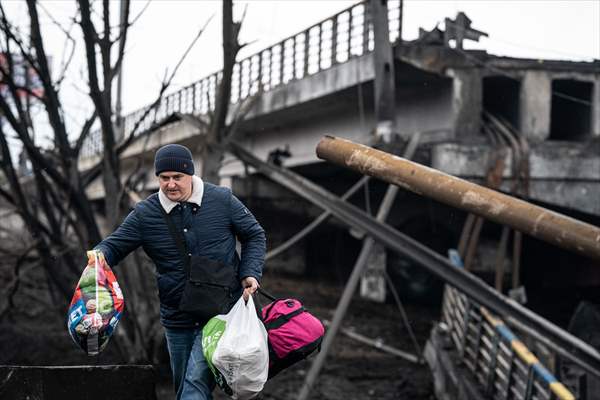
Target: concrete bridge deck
(320,81)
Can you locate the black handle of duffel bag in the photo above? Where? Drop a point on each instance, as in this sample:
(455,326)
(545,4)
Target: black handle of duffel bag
(259,307)
(273,300)
(266,294)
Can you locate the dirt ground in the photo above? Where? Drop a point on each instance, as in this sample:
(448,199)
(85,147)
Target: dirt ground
(353,370)
(32,334)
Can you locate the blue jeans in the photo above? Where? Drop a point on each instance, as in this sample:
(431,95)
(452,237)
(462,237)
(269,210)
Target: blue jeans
(192,379)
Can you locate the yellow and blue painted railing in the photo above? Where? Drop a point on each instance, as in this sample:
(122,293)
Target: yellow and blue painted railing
(461,319)
(559,390)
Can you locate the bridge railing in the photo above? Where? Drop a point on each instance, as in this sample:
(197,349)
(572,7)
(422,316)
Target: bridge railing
(337,39)
(502,365)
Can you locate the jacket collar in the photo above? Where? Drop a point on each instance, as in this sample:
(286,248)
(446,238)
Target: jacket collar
(196,197)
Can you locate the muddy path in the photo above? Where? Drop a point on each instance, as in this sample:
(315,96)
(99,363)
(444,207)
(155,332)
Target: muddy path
(34,334)
(352,370)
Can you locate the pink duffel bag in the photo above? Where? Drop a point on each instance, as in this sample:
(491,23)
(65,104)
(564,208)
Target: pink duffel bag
(293,332)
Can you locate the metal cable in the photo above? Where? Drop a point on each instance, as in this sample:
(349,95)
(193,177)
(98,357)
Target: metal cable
(404,316)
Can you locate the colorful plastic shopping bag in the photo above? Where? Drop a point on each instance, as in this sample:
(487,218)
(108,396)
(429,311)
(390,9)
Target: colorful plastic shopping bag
(96,307)
(235,347)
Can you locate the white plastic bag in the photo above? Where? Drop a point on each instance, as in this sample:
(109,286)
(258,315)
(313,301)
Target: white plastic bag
(235,347)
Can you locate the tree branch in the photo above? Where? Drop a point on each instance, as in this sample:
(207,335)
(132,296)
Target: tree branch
(7,196)
(7,29)
(134,20)
(230,49)
(85,131)
(12,290)
(165,85)
(69,38)
(122,40)
(53,105)
(32,151)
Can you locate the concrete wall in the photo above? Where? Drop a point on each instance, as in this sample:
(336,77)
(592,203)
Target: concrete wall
(535,99)
(563,174)
(302,136)
(427,108)
(467,96)
(324,83)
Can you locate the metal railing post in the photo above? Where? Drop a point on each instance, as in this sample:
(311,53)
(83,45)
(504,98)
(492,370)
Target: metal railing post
(467,320)
(350,24)
(319,47)
(529,388)
(366,23)
(281,60)
(294,58)
(492,366)
(509,374)
(334,34)
(259,76)
(306,52)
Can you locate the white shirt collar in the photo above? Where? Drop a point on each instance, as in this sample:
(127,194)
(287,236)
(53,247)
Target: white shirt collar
(196,197)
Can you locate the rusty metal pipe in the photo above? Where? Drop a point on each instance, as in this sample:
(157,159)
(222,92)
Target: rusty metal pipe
(528,218)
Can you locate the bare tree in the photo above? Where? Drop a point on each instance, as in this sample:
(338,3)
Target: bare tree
(56,185)
(218,131)
(52,202)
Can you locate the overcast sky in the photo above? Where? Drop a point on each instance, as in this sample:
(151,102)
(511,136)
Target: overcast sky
(533,29)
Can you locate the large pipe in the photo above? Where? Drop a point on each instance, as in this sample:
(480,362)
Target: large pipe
(528,218)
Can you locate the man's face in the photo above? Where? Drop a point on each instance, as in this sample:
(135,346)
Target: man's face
(176,185)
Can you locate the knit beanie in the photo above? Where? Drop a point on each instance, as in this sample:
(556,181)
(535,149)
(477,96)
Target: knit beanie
(174,157)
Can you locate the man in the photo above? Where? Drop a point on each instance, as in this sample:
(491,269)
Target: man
(209,218)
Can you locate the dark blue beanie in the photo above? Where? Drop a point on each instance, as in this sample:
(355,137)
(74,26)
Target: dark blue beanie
(174,157)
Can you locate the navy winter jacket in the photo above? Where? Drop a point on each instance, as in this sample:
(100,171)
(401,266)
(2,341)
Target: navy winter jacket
(209,230)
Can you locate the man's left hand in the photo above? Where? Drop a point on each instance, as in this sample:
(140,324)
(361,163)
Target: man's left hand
(250,284)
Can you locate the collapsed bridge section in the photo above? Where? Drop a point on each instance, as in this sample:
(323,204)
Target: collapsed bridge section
(541,330)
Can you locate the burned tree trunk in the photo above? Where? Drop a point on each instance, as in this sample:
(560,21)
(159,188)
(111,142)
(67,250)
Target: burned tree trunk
(219,131)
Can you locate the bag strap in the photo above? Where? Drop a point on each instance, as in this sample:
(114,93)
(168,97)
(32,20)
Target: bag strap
(283,319)
(266,294)
(258,307)
(179,241)
(269,296)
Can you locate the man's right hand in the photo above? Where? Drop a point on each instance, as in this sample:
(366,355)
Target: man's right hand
(250,285)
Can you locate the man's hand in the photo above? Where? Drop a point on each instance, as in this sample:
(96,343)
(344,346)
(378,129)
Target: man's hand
(250,284)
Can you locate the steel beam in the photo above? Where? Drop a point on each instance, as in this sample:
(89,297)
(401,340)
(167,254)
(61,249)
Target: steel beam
(383,64)
(350,288)
(525,217)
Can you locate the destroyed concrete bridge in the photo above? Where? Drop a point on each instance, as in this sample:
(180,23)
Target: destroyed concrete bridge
(475,116)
